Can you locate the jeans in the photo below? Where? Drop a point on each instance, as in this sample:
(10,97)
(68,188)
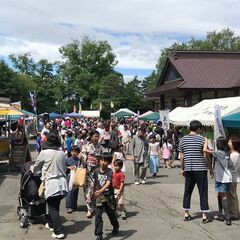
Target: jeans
(199,178)
(53,213)
(98,218)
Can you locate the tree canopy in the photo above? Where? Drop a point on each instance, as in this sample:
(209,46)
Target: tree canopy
(87,75)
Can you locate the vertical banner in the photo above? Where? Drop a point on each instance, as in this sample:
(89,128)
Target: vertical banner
(164,117)
(100,106)
(74,108)
(218,125)
(112,104)
(80,108)
(32,98)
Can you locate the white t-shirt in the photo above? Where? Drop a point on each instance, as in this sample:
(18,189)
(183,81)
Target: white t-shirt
(234,166)
(154,148)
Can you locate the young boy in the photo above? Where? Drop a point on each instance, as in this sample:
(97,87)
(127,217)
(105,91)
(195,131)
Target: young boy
(118,185)
(104,196)
(72,163)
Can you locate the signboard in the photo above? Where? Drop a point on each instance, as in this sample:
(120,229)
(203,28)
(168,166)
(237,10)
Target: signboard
(4,148)
(164,117)
(20,154)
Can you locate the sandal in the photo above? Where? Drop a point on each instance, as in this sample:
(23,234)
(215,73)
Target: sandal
(187,218)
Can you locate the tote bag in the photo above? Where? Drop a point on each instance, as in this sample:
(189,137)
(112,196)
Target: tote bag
(80,177)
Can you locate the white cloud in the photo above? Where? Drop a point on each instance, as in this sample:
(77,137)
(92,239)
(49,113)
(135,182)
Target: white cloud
(136,29)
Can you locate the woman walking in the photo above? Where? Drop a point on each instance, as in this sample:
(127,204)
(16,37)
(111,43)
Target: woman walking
(51,162)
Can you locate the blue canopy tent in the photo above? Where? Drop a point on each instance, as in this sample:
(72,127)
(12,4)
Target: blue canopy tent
(73,115)
(54,115)
(232,121)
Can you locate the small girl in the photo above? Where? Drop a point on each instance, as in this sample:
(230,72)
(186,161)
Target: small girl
(167,149)
(154,153)
(119,154)
(222,175)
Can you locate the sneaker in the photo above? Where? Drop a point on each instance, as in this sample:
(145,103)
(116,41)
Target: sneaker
(99,237)
(123,215)
(115,230)
(58,236)
(69,210)
(47,227)
(143,181)
(136,183)
(228,222)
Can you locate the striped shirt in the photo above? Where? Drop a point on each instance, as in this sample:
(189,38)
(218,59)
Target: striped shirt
(192,148)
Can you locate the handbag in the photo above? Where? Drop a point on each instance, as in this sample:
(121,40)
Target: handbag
(80,177)
(42,188)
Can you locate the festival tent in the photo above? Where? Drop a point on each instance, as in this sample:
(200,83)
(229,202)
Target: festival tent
(176,111)
(232,121)
(27,115)
(154,116)
(124,110)
(145,114)
(122,114)
(204,111)
(54,115)
(90,113)
(7,110)
(72,115)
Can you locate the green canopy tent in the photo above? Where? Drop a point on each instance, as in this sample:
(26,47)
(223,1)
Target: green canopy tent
(26,115)
(151,117)
(121,114)
(232,121)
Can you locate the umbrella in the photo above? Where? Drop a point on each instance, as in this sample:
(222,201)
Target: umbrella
(232,121)
(54,115)
(150,117)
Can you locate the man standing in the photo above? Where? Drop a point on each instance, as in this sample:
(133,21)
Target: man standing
(139,152)
(194,169)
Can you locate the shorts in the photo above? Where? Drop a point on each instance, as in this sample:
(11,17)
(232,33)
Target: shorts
(222,187)
(119,200)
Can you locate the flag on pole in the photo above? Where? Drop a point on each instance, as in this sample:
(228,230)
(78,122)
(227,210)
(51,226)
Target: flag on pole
(91,106)
(74,108)
(80,108)
(112,104)
(32,98)
(100,106)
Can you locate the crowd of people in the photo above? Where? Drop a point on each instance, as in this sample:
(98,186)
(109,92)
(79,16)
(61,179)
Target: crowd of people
(102,147)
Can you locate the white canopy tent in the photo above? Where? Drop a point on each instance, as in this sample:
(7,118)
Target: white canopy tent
(90,113)
(145,114)
(204,111)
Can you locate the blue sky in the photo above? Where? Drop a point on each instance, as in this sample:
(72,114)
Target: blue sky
(137,30)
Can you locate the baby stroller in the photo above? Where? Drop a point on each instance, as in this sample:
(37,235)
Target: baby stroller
(30,204)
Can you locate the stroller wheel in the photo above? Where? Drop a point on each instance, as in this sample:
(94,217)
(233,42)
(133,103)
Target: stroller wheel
(23,222)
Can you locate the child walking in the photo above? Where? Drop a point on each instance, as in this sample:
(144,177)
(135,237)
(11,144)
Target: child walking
(104,196)
(167,153)
(118,185)
(72,163)
(154,153)
(120,154)
(223,176)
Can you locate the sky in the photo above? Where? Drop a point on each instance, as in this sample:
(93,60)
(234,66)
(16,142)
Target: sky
(137,30)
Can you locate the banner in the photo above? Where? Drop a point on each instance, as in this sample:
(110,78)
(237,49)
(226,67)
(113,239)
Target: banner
(80,108)
(164,117)
(112,104)
(100,106)
(32,98)
(218,125)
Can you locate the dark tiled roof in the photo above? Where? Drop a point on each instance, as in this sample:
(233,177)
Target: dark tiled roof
(201,69)
(168,86)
